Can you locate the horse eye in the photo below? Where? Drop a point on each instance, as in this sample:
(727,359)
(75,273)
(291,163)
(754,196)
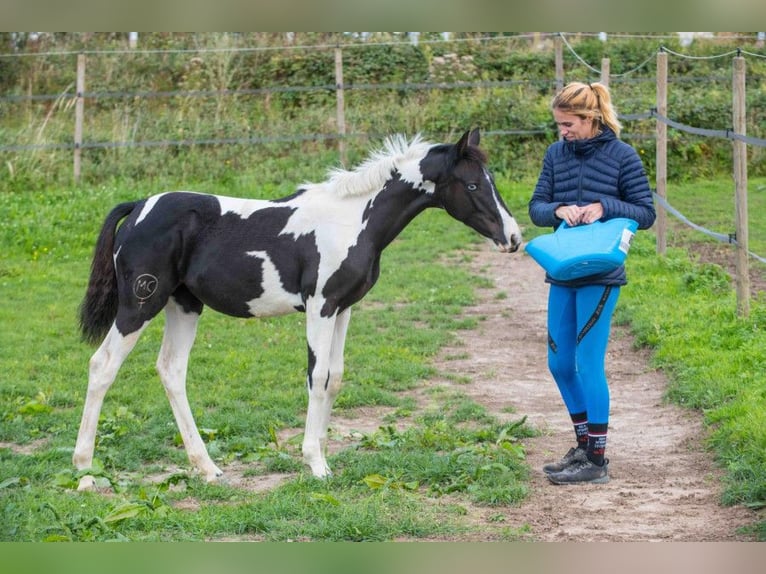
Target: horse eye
(472,187)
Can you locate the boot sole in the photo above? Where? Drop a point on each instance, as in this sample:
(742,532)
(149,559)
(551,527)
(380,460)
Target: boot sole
(599,480)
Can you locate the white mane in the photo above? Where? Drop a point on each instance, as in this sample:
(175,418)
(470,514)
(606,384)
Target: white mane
(376,169)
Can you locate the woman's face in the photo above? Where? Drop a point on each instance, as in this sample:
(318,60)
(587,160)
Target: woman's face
(573,127)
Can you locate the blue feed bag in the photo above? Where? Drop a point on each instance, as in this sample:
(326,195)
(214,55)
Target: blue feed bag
(573,252)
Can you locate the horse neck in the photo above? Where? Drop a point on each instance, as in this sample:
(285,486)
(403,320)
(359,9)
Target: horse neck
(395,206)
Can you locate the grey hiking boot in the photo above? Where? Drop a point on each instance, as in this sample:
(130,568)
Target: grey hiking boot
(582,472)
(574,455)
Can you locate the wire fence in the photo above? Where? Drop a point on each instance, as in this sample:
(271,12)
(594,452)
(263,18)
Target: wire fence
(725,134)
(562,41)
(728,134)
(233,93)
(70,93)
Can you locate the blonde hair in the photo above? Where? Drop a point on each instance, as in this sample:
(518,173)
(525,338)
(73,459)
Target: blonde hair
(588,101)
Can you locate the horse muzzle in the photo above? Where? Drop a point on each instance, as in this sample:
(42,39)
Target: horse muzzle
(509,247)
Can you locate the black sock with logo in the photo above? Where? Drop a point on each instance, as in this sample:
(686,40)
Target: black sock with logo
(580,422)
(597,442)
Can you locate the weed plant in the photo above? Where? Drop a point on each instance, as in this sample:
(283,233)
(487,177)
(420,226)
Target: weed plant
(247,391)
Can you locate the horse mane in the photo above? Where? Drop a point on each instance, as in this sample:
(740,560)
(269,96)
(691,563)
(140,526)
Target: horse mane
(373,172)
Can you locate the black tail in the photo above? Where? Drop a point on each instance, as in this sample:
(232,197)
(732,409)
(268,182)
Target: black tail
(99,307)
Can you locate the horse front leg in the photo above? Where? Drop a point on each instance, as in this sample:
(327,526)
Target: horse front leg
(326,342)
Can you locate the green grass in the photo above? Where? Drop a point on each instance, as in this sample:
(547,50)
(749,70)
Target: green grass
(685,309)
(711,203)
(246,385)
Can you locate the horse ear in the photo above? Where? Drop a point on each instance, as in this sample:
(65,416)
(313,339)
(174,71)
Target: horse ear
(470,137)
(474,137)
(462,143)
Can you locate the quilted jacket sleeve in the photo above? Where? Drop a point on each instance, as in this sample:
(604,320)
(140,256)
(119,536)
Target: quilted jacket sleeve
(635,198)
(541,206)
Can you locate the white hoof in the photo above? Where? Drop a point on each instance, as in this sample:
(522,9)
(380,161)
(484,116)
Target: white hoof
(321,471)
(215,475)
(87,482)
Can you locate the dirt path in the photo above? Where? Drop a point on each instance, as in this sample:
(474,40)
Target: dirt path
(664,486)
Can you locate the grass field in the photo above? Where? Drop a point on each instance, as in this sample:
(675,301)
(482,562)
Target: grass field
(246,384)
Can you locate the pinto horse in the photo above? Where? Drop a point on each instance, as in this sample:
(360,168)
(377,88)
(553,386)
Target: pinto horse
(316,251)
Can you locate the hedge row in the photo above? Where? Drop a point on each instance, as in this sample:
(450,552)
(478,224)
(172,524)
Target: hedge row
(286,91)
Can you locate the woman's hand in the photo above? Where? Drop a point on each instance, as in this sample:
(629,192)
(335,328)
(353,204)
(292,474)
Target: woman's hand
(591,213)
(575,215)
(569,213)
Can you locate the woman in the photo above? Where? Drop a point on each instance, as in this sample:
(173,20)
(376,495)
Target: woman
(589,175)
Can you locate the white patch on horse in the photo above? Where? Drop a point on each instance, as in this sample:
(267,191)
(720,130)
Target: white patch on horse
(270,304)
(336,225)
(242,207)
(411,174)
(510,227)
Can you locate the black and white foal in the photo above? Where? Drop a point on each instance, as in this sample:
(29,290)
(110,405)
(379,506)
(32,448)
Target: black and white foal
(316,251)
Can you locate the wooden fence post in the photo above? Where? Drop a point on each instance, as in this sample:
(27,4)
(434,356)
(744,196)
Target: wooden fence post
(559,62)
(740,183)
(605,71)
(78,115)
(661,153)
(340,105)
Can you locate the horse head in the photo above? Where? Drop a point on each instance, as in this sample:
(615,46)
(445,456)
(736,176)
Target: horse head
(466,190)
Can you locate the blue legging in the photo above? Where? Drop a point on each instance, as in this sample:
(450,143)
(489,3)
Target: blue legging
(579,321)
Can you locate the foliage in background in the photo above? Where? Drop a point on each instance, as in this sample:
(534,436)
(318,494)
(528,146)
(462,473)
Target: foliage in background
(267,87)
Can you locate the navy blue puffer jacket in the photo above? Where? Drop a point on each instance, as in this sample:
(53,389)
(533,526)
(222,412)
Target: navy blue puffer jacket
(580,172)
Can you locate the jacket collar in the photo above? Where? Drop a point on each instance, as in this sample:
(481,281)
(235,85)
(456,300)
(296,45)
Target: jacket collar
(588,146)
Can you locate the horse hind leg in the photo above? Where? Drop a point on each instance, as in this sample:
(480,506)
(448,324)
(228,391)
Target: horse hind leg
(102,371)
(172,364)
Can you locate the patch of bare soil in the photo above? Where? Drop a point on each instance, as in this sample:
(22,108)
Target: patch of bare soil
(724,255)
(664,486)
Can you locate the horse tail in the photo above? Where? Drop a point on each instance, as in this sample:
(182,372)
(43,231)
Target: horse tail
(99,307)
